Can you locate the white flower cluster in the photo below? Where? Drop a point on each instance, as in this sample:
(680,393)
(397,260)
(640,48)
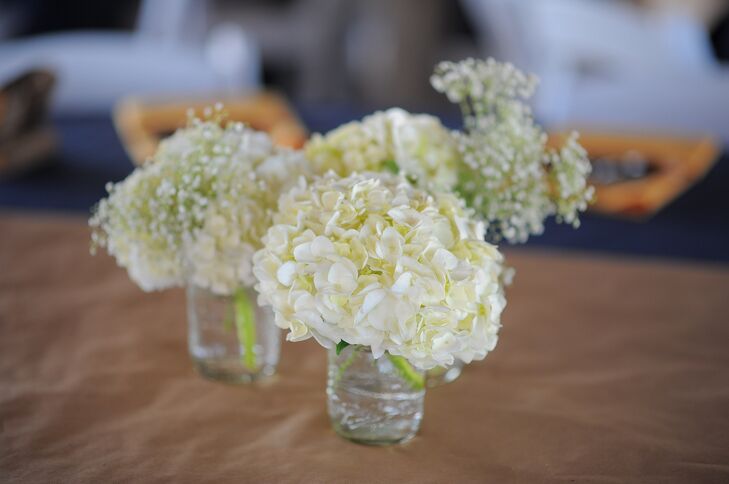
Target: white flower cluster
(126,223)
(481,87)
(370,260)
(198,209)
(568,174)
(508,175)
(416,145)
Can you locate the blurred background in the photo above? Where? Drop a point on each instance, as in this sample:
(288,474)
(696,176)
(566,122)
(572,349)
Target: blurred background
(88,87)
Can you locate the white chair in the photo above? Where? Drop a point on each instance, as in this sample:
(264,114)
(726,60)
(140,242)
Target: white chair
(171,53)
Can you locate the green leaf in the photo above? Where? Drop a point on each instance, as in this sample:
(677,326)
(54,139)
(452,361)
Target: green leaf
(391,166)
(341,345)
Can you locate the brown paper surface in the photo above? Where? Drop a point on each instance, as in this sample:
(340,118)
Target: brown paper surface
(608,370)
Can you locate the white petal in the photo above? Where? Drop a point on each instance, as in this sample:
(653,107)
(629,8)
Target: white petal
(445,259)
(302,252)
(286,273)
(321,246)
(402,283)
(371,300)
(342,276)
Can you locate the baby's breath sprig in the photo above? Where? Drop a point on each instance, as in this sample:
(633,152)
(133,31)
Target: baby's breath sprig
(199,207)
(487,92)
(508,174)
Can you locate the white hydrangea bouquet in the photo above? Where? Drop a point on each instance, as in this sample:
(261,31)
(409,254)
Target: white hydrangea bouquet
(499,164)
(384,257)
(193,216)
(370,260)
(372,265)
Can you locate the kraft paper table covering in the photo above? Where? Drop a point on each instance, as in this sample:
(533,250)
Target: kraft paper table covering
(608,370)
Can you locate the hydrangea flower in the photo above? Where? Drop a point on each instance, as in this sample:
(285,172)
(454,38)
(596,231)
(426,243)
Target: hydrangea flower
(198,209)
(371,260)
(507,174)
(416,145)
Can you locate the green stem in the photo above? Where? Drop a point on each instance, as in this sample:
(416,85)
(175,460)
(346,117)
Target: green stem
(407,372)
(228,318)
(245,326)
(345,365)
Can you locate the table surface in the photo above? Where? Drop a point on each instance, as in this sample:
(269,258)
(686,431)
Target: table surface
(608,370)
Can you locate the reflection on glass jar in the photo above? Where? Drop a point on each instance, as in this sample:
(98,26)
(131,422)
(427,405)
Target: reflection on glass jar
(440,375)
(231,338)
(374,401)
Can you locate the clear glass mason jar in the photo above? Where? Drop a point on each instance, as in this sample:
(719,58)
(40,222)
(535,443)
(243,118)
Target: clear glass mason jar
(440,375)
(374,401)
(231,338)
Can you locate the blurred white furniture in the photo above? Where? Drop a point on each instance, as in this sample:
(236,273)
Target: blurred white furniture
(610,65)
(172,52)
(375,52)
(304,37)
